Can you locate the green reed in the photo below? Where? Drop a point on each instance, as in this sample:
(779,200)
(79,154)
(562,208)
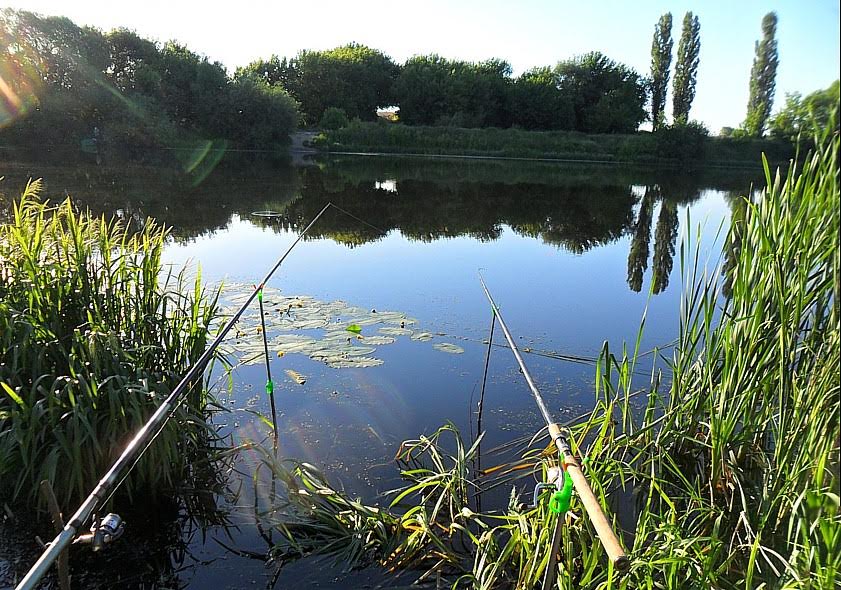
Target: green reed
(733,468)
(94,334)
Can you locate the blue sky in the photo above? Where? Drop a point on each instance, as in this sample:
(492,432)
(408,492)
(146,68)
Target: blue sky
(527,33)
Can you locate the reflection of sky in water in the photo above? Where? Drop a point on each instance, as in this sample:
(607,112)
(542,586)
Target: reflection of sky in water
(552,299)
(351,421)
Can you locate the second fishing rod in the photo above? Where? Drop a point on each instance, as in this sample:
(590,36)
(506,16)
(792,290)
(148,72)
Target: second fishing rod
(604,530)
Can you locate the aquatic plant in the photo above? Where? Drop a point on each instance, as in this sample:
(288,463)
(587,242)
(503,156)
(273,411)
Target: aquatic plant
(94,335)
(733,469)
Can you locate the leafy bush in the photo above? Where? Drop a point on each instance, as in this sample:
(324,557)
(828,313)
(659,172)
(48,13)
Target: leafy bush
(333,118)
(681,141)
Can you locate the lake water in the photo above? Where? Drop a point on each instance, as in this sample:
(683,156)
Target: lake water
(568,251)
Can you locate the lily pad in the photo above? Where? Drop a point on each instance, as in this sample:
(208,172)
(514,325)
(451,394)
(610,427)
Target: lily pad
(448,347)
(422,336)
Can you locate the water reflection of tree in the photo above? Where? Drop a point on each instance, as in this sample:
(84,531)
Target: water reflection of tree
(638,256)
(577,217)
(665,234)
(577,208)
(733,243)
(665,237)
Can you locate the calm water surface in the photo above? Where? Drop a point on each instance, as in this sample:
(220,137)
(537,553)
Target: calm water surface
(573,255)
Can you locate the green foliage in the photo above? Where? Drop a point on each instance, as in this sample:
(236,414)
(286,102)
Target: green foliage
(274,72)
(682,141)
(401,138)
(763,78)
(432,90)
(333,118)
(94,335)
(607,97)
(686,68)
(128,93)
(800,114)
(257,115)
(680,144)
(538,104)
(661,61)
(353,77)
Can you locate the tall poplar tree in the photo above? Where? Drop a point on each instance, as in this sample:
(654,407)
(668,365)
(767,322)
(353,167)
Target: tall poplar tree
(661,62)
(686,68)
(763,77)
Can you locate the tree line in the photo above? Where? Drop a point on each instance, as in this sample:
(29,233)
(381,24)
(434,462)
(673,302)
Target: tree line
(119,88)
(66,83)
(590,93)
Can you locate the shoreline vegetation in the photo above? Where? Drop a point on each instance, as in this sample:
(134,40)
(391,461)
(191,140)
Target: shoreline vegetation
(95,335)
(666,147)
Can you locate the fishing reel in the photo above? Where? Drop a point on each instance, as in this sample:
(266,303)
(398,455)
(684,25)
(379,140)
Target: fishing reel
(106,531)
(556,477)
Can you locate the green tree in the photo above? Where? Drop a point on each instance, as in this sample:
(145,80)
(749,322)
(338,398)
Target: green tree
(686,68)
(135,63)
(73,83)
(353,77)
(538,104)
(607,97)
(763,78)
(273,71)
(661,61)
(258,115)
(422,90)
(432,90)
(800,114)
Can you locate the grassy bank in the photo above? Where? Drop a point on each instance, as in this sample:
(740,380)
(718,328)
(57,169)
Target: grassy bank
(643,147)
(94,336)
(731,470)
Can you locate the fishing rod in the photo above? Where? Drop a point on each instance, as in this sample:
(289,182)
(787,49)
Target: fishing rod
(144,437)
(597,516)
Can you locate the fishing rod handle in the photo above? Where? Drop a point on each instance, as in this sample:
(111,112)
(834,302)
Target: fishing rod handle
(604,530)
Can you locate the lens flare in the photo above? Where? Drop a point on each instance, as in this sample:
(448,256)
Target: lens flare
(19,82)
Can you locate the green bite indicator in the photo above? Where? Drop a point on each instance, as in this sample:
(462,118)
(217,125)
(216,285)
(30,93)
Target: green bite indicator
(559,502)
(270,387)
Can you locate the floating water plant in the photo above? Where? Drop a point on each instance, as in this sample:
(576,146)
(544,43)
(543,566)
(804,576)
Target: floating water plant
(448,347)
(328,332)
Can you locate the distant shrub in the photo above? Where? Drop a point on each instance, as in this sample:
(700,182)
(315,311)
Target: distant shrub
(333,118)
(681,141)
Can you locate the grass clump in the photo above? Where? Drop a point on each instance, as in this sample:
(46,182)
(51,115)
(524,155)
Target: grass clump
(733,468)
(94,335)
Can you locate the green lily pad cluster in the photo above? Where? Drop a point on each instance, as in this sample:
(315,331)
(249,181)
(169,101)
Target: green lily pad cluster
(336,333)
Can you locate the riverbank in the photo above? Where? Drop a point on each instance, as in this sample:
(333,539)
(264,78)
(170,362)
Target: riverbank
(676,147)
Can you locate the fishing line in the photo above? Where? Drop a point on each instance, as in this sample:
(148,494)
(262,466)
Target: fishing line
(269,382)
